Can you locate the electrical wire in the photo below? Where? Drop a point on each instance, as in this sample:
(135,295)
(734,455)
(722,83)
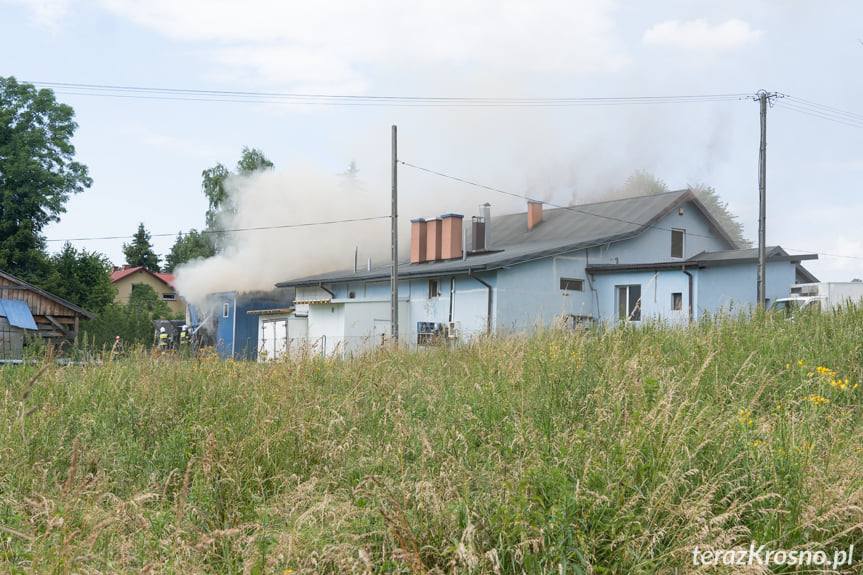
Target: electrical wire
(585,212)
(528,198)
(822,112)
(208,232)
(233,96)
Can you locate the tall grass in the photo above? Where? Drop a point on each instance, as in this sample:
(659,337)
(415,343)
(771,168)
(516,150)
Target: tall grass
(613,451)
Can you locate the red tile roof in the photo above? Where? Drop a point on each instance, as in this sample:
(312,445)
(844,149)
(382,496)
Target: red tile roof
(121,273)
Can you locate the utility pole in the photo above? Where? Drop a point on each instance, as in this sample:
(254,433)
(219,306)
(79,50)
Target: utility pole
(394,232)
(764,98)
(762,203)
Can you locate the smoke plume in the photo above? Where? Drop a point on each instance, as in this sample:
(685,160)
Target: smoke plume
(279,231)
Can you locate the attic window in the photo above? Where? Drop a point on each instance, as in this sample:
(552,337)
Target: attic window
(677,243)
(169,296)
(570,284)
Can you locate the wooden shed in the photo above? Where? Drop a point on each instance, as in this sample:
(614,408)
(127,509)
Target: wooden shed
(54,319)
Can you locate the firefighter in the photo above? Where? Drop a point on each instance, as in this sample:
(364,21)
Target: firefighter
(118,347)
(163,340)
(185,340)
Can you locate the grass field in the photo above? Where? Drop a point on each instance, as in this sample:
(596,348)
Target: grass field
(615,451)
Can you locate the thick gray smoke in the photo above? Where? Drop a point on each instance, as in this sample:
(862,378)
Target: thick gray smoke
(287,202)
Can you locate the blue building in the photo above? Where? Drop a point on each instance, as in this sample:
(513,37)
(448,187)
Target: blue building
(661,258)
(227,324)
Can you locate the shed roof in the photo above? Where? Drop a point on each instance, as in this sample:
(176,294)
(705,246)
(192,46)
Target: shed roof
(708,259)
(47,295)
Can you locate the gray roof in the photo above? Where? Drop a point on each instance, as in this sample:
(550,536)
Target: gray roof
(709,259)
(561,230)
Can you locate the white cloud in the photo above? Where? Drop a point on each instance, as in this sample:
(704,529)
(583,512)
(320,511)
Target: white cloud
(45,13)
(338,43)
(698,35)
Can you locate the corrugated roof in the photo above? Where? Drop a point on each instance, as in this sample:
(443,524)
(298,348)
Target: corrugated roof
(57,299)
(18,314)
(561,230)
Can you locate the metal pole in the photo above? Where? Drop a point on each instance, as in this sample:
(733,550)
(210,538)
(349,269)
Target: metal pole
(394,232)
(762,203)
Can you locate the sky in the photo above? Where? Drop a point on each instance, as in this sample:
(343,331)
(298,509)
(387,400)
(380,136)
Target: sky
(558,100)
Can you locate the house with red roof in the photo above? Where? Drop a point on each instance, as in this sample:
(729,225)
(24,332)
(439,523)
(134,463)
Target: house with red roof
(126,278)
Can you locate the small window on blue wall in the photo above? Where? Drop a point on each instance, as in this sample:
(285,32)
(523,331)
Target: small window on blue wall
(571,284)
(226,310)
(677,243)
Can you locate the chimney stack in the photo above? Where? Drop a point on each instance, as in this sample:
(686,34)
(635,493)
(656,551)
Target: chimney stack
(477,234)
(418,241)
(534,213)
(451,236)
(485,213)
(433,239)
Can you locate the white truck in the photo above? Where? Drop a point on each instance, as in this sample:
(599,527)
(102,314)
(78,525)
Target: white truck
(823,296)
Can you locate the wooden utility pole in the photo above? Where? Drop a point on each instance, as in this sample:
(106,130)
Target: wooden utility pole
(764,98)
(394,232)
(762,202)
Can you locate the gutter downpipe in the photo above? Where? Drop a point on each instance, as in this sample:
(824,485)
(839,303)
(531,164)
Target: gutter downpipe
(332,295)
(590,280)
(683,269)
(488,316)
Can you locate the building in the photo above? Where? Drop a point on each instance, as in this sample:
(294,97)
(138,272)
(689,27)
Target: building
(28,311)
(229,321)
(126,278)
(660,258)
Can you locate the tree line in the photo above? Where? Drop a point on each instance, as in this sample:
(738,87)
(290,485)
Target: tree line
(38,174)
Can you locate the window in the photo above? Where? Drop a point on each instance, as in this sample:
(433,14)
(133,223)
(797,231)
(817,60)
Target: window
(629,303)
(434,289)
(226,310)
(570,284)
(677,301)
(169,296)
(677,243)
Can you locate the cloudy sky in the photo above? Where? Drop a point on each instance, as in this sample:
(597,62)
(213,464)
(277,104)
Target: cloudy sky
(555,99)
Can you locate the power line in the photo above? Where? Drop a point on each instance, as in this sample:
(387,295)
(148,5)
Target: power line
(822,112)
(582,211)
(259,228)
(233,96)
(523,197)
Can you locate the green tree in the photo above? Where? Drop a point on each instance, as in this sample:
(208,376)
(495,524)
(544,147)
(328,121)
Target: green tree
(642,183)
(188,247)
(37,173)
(140,251)
(213,185)
(133,322)
(83,278)
(719,210)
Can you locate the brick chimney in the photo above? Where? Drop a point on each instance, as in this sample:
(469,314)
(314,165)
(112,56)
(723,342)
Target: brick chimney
(534,213)
(451,236)
(418,241)
(433,240)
